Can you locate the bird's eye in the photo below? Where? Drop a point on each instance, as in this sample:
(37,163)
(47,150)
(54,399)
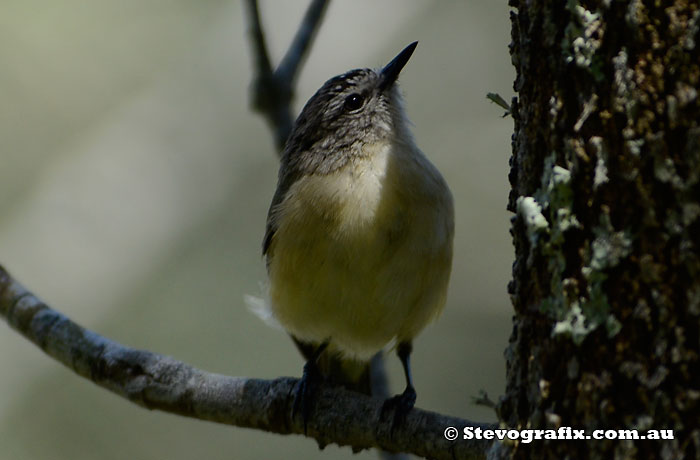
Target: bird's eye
(354,101)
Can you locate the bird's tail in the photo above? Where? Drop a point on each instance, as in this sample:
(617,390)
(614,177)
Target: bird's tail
(352,374)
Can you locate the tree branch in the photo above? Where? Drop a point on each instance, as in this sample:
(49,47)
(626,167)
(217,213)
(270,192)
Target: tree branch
(159,382)
(273,91)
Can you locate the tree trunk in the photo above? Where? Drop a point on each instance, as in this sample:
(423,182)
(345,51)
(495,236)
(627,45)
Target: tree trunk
(604,174)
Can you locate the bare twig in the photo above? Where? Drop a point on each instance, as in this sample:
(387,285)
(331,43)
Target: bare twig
(484,400)
(159,382)
(273,91)
(291,63)
(257,39)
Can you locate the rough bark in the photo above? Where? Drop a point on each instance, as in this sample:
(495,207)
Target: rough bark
(604,174)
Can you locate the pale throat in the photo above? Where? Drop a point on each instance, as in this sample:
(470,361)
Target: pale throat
(350,199)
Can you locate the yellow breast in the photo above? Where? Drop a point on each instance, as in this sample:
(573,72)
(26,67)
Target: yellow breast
(362,255)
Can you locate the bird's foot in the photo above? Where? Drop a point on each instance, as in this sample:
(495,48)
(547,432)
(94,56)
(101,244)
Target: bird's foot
(306,390)
(400,405)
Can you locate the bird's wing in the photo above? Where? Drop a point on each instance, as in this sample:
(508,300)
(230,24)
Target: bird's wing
(285,182)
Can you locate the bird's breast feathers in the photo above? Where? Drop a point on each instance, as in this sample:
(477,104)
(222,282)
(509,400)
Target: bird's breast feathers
(346,201)
(362,255)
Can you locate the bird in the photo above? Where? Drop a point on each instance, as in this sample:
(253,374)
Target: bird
(359,235)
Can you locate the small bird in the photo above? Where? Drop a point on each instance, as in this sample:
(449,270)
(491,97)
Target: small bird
(358,242)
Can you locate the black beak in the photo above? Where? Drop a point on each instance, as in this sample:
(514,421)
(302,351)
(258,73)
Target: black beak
(391,71)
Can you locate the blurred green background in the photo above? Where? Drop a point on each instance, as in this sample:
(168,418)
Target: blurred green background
(134,184)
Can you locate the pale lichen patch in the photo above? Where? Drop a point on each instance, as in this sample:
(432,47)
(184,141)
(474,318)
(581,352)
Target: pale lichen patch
(583,35)
(532,214)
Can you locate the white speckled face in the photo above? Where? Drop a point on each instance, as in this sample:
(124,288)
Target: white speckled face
(352,106)
(349,111)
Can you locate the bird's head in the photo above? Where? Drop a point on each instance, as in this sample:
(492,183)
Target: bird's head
(357,108)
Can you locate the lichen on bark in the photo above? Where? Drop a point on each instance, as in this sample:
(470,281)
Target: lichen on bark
(605,178)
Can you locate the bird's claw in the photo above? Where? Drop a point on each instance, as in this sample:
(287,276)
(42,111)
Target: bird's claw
(306,390)
(400,405)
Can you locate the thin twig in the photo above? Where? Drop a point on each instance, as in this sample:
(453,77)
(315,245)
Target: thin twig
(484,400)
(257,39)
(288,69)
(273,91)
(159,382)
